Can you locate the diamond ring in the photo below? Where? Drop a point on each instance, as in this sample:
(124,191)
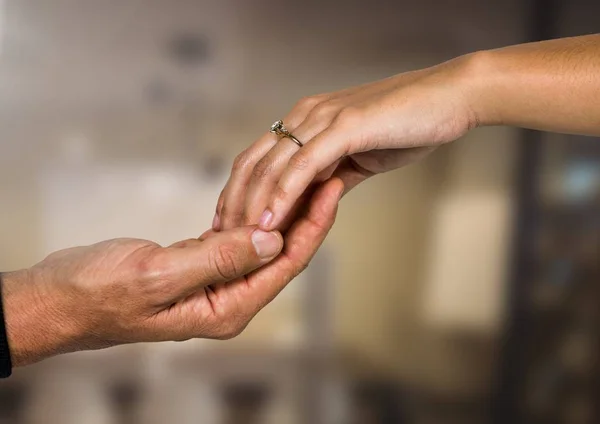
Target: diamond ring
(279,128)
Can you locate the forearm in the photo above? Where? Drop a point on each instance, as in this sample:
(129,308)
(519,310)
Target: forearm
(552,85)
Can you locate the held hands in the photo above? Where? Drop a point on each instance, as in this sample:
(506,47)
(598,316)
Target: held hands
(125,291)
(128,290)
(351,134)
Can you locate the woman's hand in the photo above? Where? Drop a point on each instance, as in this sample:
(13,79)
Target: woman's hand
(356,133)
(351,134)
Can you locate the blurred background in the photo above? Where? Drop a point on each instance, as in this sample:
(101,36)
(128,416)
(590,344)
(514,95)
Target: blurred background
(463,289)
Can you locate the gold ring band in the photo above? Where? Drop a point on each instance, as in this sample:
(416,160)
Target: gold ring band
(294,139)
(279,128)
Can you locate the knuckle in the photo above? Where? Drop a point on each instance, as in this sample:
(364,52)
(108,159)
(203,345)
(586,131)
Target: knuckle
(241,162)
(325,111)
(153,278)
(280,194)
(308,102)
(299,161)
(349,116)
(153,267)
(222,260)
(263,169)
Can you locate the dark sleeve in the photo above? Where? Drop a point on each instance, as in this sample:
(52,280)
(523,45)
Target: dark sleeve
(5,362)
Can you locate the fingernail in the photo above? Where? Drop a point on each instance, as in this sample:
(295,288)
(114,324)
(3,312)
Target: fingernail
(216,222)
(267,244)
(265,219)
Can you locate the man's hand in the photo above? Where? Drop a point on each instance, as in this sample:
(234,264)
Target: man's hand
(128,290)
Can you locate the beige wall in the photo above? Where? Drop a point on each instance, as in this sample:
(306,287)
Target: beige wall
(382,241)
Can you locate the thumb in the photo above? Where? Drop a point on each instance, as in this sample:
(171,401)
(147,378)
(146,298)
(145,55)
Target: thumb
(223,257)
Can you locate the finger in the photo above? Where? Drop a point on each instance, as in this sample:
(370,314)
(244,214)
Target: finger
(205,236)
(324,150)
(299,208)
(301,243)
(216,223)
(231,214)
(231,211)
(269,169)
(243,298)
(264,177)
(225,256)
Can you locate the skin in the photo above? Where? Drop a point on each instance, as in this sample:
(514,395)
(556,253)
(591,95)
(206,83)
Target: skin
(128,290)
(363,131)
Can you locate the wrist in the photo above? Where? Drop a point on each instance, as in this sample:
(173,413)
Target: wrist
(474,78)
(34,328)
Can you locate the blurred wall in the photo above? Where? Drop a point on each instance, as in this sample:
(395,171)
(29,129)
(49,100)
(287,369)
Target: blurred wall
(65,74)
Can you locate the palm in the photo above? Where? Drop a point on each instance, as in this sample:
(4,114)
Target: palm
(213,306)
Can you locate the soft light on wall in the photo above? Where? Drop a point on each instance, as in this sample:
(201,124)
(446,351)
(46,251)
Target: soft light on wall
(2,7)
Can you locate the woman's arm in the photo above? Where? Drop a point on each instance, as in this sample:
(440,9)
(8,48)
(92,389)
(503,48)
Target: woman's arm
(363,131)
(551,85)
